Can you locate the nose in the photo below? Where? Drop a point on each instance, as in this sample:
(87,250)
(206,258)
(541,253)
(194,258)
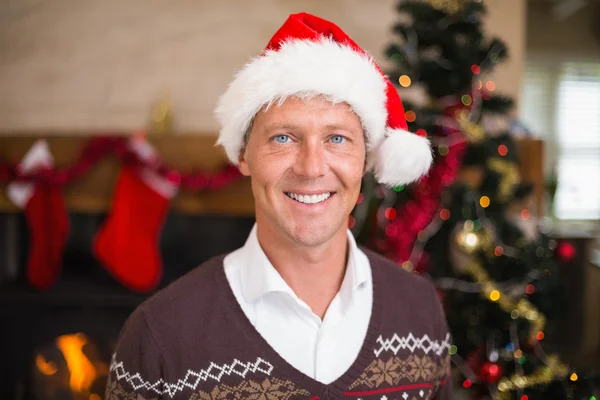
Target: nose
(311,162)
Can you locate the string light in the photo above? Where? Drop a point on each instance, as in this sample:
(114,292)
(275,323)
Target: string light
(498,251)
(530,289)
(405,81)
(522,360)
(390,213)
(476,69)
(502,150)
(445,214)
(525,214)
(410,116)
(443,149)
(540,335)
(466,100)
(471,240)
(514,314)
(407,265)
(479,85)
(467,383)
(495,295)
(490,86)
(524,397)
(574,377)
(453,349)
(484,201)
(518,353)
(494,355)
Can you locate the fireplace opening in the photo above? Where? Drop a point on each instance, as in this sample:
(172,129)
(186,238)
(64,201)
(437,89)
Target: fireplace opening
(57,344)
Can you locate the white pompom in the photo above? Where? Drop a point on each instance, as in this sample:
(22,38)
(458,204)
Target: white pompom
(401,158)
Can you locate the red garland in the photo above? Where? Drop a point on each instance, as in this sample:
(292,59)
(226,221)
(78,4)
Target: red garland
(418,212)
(100,147)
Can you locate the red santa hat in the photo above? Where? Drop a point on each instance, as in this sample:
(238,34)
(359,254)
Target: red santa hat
(309,55)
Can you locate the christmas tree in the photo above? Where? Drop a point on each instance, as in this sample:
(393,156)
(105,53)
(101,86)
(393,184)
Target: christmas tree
(496,272)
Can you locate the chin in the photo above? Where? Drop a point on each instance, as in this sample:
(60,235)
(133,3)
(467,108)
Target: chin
(306,233)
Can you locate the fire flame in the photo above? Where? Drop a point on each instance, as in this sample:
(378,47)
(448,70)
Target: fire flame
(81,368)
(46,368)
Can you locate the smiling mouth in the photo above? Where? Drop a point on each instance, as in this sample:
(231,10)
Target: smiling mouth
(309,199)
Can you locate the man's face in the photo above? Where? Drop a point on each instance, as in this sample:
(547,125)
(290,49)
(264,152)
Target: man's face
(306,159)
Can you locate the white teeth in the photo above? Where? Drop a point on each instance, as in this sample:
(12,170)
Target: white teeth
(306,199)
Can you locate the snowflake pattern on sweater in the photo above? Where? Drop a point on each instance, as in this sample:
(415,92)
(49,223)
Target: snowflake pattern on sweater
(164,353)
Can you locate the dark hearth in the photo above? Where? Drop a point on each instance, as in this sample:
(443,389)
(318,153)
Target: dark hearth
(57,344)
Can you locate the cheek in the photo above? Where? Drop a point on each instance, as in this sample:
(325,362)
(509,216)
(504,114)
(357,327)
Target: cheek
(267,171)
(350,168)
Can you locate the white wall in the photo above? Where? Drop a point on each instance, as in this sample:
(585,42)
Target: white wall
(574,37)
(507,20)
(72,65)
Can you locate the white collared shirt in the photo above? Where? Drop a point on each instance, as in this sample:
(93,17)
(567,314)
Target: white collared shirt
(323,350)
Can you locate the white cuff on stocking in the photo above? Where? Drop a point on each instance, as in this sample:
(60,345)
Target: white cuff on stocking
(156,182)
(37,157)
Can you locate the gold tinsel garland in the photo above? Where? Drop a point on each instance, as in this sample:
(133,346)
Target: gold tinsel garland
(448,6)
(510,176)
(522,308)
(473,131)
(541,376)
(517,309)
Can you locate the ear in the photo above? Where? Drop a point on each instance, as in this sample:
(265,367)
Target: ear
(243,163)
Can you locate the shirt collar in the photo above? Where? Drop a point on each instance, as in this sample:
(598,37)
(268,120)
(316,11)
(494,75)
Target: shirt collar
(259,277)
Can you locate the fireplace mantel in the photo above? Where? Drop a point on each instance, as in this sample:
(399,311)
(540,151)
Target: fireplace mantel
(93,192)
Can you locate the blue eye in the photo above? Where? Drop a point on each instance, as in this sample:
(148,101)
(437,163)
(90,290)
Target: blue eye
(338,139)
(281,138)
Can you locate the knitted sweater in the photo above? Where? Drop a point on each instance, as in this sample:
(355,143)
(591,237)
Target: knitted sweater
(193,341)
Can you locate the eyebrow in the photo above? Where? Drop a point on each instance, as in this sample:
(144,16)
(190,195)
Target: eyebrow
(285,125)
(339,127)
(279,125)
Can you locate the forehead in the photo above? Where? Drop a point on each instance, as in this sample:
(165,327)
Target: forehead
(314,110)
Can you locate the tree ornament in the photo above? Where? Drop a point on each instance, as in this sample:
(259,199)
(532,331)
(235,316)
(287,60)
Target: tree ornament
(490,372)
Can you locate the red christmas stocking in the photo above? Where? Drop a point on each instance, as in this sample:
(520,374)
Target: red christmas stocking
(127,242)
(46,216)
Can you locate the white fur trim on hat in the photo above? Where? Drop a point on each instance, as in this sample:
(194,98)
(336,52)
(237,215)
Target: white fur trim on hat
(401,158)
(340,73)
(303,66)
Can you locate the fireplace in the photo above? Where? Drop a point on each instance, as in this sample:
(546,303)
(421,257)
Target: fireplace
(57,344)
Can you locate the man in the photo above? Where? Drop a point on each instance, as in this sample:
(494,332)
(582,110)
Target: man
(299,312)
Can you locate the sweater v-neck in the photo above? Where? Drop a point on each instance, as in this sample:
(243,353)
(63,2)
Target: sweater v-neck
(319,390)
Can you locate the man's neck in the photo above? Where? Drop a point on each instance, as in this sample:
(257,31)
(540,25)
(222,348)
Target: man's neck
(314,273)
